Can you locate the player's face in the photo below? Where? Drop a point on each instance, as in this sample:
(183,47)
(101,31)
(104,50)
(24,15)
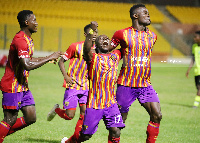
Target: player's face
(32,23)
(103,43)
(143,16)
(197,39)
(95,34)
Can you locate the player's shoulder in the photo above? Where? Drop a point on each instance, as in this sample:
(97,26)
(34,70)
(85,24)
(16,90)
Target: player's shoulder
(77,43)
(150,31)
(117,51)
(195,45)
(121,30)
(19,35)
(19,38)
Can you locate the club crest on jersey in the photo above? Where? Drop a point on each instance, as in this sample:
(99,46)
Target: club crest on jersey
(113,57)
(85,127)
(150,36)
(66,103)
(19,104)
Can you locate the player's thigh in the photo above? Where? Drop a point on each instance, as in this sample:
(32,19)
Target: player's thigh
(125,96)
(147,94)
(29,113)
(153,108)
(91,120)
(70,99)
(82,96)
(112,117)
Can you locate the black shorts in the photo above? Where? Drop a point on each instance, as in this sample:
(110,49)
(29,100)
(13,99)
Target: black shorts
(197,80)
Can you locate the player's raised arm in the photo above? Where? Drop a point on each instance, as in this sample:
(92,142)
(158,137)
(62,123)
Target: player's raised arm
(30,64)
(87,53)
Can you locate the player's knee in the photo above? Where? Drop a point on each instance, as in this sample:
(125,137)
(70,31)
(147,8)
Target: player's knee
(157,117)
(70,115)
(30,120)
(115,132)
(86,137)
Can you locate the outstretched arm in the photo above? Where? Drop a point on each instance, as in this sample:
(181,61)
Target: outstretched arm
(69,80)
(31,64)
(87,52)
(190,66)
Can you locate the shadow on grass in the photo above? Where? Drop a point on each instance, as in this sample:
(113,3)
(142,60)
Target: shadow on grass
(178,104)
(41,140)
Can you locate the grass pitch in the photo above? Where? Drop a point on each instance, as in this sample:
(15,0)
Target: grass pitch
(180,123)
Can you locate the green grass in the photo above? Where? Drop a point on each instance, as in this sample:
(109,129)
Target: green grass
(180,123)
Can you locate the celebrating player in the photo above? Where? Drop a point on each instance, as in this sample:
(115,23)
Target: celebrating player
(14,83)
(75,81)
(102,67)
(134,79)
(195,59)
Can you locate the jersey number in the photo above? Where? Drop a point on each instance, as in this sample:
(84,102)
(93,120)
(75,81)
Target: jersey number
(117,119)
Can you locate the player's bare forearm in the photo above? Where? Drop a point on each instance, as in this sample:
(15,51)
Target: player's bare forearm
(31,64)
(87,53)
(36,59)
(190,66)
(89,41)
(62,67)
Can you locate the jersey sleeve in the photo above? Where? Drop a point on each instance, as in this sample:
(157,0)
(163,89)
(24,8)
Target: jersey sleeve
(70,52)
(117,52)
(22,48)
(117,38)
(193,48)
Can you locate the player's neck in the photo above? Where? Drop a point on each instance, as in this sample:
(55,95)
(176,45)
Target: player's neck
(26,31)
(138,27)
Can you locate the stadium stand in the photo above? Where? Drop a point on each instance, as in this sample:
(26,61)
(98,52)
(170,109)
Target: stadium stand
(61,22)
(186,15)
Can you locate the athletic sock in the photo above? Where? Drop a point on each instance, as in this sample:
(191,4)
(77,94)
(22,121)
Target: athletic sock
(79,125)
(74,139)
(62,114)
(4,129)
(113,139)
(196,101)
(19,124)
(70,140)
(152,132)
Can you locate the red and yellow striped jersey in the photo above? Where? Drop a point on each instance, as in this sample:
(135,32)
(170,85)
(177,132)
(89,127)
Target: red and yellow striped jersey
(102,77)
(77,66)
(136,47)
(15,78)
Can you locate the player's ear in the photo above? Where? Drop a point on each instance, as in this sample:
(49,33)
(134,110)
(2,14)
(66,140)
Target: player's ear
(135,16)
(26,22)
(85,34)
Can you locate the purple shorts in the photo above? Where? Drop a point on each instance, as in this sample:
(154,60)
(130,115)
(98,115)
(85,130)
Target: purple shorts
(125,96)
(17,100)
(111,117)
(73,96)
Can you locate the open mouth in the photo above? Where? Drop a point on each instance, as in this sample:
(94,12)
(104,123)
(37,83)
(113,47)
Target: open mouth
(105,43)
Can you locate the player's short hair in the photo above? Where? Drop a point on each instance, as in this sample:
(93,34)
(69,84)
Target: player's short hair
(133,8)
(197,32)
(23,16)
(86,28)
